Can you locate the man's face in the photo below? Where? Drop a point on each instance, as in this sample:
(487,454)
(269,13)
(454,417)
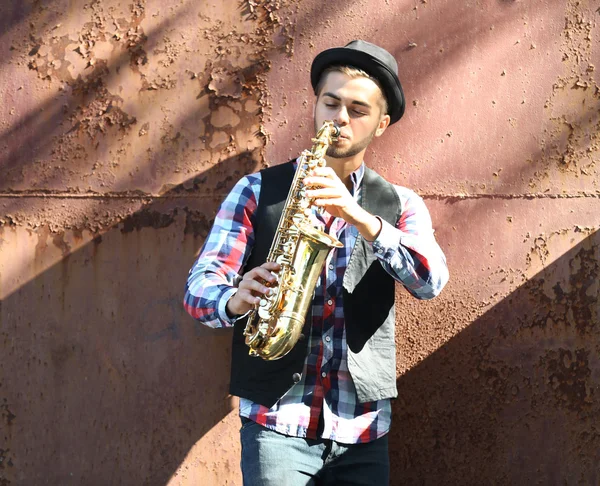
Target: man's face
(354,104)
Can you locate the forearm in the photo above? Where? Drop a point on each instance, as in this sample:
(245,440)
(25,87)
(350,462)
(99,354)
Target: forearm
(417,262)
(206,297)
(409,251)
(368,225)
(214,278)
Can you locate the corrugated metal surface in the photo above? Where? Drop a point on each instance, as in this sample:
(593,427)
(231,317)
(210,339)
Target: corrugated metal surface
(123,124)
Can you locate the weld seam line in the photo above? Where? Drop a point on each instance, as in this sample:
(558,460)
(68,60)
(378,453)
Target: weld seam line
(59,195)
(512,196)
(100,196)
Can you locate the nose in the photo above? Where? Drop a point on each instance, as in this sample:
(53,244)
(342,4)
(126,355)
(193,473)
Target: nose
(341,117)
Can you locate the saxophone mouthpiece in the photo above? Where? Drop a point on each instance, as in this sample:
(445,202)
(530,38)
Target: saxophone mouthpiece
(335,132)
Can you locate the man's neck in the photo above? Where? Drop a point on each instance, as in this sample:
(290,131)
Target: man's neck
(345,167)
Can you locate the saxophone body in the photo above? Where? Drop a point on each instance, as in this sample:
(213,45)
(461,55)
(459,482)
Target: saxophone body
(275,325)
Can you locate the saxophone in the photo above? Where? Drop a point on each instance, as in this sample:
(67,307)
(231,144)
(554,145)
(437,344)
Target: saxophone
(275,325)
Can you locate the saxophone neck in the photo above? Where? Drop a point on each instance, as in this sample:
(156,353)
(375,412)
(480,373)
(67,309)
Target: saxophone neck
(329,132)
(326,135)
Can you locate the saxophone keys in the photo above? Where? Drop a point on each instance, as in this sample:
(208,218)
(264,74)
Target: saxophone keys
(264,313)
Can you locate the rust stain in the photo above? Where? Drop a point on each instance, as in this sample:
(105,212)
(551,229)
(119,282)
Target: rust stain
(197,224)
(147,218)
(7,463)
(571,139)
(569,376)
(7,416)
(572,301)
(84,64)
(123,117)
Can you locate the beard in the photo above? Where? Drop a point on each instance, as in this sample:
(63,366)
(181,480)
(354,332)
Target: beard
(337,152)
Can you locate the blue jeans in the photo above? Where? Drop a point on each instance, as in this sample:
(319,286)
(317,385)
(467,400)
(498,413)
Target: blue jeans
(273,459)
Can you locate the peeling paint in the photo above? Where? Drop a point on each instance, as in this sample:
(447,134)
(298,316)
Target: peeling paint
(124,124)
(146,218)
(573,141)
(569,375)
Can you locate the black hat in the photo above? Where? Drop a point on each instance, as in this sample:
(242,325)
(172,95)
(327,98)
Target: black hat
(372,59)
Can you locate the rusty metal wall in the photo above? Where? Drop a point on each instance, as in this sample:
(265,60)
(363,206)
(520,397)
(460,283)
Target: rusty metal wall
(122,126)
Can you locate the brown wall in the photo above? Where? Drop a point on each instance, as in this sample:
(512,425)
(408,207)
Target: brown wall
(122,126)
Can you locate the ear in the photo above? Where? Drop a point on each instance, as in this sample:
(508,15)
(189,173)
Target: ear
(384,122)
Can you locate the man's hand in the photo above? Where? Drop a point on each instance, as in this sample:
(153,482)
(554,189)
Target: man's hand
(251,288)
(328,191)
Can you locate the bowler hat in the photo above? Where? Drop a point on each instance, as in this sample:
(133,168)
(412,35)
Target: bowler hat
(372,59)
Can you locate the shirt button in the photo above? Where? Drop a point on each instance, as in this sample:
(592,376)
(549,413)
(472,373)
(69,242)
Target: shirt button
(296,377)
(323,374)
(330,267)
(330,302)
(327,338)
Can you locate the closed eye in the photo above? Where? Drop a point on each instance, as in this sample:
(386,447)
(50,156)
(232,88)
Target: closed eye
(335,105)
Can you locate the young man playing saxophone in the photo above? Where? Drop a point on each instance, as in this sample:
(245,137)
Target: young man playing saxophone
(321,414)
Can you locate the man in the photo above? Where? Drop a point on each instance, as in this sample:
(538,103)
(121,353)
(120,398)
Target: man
(321,414)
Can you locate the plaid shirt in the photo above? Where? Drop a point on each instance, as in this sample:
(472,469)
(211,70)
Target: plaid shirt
(408,252)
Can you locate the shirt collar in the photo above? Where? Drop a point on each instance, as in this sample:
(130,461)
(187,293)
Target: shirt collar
(357,178)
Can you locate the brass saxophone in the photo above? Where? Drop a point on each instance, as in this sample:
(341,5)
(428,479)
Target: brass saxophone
(275,325)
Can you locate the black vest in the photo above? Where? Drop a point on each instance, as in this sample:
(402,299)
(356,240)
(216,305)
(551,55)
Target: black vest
(368,297)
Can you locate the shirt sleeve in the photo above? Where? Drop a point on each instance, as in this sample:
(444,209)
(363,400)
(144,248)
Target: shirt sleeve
(409,251)
(214,277)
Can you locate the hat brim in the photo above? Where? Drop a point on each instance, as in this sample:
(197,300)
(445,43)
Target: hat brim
(352,57)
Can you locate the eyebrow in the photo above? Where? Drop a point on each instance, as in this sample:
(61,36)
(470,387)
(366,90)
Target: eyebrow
(354,102)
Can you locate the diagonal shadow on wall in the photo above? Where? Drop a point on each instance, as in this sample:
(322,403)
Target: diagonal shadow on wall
(111,383)
(104,379)
(513,398)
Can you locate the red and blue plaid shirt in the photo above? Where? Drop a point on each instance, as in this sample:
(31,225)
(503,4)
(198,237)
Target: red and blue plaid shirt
(408,252)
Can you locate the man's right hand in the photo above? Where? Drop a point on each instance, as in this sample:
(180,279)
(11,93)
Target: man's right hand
(252,288)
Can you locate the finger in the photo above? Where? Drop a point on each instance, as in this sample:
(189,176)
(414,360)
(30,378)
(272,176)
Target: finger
(260,273)
(271,266)
(255,287)
(323,172)
(324,192)
(247,297)
(327,203)
(319,181)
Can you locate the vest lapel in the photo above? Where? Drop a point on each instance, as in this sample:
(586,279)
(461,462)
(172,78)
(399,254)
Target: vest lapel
(377,197)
